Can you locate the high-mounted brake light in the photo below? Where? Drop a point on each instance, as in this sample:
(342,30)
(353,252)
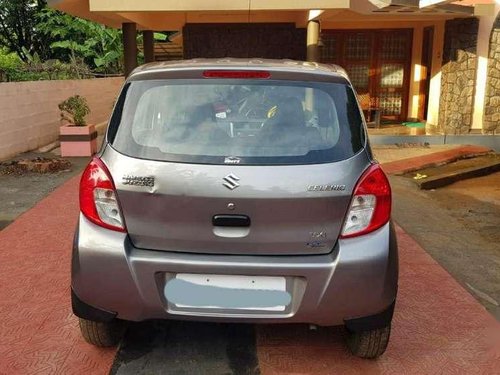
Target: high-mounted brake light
(371,204)
(98,200)
(237,74)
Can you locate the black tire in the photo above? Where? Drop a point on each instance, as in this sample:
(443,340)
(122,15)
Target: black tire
(369,344)
(102,334)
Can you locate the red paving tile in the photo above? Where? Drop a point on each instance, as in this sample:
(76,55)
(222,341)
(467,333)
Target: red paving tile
(438,328)
(418,162)
(38,333)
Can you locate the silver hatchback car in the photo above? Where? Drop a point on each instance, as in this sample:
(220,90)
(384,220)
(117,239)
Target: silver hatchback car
(236,191)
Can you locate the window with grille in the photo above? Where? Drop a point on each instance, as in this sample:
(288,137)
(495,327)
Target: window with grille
(392,75)
(391,103)
(358,47)
(329,49)
(359,75)
(394,46)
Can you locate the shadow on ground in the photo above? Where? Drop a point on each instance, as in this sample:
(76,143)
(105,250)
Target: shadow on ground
(177,347)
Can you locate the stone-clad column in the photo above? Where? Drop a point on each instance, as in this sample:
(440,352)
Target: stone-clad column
(491,119)
(458,80)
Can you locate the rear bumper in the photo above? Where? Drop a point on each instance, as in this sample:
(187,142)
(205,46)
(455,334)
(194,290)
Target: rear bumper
(358,279)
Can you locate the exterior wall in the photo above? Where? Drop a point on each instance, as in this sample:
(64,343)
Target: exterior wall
(458,75)
(492,96)
(283,40)
(30,116)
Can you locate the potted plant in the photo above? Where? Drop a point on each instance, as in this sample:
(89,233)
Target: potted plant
(77,138)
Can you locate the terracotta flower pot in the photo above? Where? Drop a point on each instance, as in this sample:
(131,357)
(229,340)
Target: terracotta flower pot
(78,140)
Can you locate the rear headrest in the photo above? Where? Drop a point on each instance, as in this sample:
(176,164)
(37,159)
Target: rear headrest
(200,113)
(290,112)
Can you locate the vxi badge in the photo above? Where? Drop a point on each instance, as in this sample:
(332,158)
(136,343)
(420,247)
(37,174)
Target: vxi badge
(326,188)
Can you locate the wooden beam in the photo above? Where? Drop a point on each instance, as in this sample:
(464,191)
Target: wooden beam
(149,46)
(129,47)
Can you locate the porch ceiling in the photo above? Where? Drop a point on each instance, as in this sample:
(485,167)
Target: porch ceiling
(174,14)
(214,5)
(80,8)
(422,7)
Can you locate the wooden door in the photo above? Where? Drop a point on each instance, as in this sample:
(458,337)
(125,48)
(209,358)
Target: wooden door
(378,63)
(392,73)
(358,48)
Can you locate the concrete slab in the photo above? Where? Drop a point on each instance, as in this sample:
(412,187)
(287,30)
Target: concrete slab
(389,153)
(405,165)
(489,141)
(459,170)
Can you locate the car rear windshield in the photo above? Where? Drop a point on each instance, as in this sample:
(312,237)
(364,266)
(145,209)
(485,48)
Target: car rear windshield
(248,122)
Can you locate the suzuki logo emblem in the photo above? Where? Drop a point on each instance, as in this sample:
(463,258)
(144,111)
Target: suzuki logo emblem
(231,181)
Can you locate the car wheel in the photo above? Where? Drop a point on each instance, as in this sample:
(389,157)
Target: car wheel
(369,344)
(102,334)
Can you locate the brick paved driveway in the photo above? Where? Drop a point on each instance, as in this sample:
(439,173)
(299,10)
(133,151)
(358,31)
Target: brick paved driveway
(438,328)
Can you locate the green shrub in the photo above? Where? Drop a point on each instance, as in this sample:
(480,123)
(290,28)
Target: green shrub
(12,68)
(74,110)
(9,64)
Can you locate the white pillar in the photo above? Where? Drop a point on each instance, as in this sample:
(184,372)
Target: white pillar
(312,41)
(416,72)
(435,84)
(483,47)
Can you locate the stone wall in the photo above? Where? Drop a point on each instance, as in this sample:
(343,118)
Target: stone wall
(492,99)
(29,116)
(458,78)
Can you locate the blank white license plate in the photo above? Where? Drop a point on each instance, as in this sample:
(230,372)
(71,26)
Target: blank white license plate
(267,293)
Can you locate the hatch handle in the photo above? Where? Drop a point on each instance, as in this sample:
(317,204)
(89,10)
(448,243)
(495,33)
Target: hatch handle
(231,221)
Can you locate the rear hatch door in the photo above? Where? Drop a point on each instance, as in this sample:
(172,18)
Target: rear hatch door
(290,209)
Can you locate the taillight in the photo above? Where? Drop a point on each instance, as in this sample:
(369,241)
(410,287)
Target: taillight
(98,201)
(371,204)
(237,74)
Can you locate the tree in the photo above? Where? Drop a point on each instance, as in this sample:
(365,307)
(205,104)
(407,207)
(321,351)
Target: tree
(40,35)
(18,20)
(31,29)
(75,38)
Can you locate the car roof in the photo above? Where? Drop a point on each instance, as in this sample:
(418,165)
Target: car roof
(286,66)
